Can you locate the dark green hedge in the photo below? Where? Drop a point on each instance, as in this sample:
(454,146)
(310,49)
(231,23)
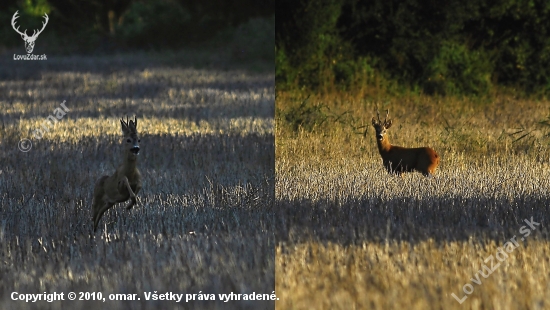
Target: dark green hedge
(104,25)
(446,47)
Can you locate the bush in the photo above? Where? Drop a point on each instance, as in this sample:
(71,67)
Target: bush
(458,47)
(310,116)
(251,40)
(456,70)
(142,27)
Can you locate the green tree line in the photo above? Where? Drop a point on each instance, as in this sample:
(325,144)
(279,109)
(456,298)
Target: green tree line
(436,47)
(91,25)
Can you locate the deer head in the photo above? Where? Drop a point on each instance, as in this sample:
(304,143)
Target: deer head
(29,41)
(129,129)
(380,127)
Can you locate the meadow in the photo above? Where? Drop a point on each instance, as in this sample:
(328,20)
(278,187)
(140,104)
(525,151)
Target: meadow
(204,219)
(351,236)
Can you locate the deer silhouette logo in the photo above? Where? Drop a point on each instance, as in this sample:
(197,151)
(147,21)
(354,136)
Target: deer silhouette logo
(29,41)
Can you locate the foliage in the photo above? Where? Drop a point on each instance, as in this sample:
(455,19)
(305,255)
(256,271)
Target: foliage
(36,8)
(141,25)
(456,70)
(316,47)
(250,40)
(107,26)
(456,47)
(309,116)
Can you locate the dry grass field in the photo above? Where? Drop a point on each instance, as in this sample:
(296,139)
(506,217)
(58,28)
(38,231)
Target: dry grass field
(204,218)
(351,236)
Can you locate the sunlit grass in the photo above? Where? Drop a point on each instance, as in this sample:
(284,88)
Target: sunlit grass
(350,235)
(423,275)
(72,130)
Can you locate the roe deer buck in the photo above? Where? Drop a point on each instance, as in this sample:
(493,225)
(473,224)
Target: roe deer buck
(125,183)
(399,159)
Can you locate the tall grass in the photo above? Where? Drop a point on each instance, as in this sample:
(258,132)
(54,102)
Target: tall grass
(204,218)
(350,235)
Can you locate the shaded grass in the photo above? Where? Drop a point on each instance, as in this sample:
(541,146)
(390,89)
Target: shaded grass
(204,219)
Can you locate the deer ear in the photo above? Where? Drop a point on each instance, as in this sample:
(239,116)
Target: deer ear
(388,124)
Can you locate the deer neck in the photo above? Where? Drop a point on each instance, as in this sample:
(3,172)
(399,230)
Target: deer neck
(130,163)
(384,145)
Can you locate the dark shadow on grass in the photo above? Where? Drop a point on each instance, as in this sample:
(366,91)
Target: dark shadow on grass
(232,159)
(186,111)
(444,219)
(11,69)
(190,95)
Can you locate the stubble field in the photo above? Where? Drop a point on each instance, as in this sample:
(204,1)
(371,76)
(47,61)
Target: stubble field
(204,219)
(351,236)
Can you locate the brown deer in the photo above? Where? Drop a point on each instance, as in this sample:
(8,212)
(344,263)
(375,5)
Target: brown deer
(399,159)
(125,183)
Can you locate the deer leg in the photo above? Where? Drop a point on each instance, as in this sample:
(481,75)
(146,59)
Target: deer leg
(99,213)
(131,204)
(135,197)
(95,209)
(132,195)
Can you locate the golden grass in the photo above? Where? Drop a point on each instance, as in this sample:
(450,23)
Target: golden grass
(351,236)
(71,130)
(404,275)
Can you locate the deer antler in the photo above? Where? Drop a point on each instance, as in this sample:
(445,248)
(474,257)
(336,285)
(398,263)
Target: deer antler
(386,118)
(378,115)
(13,25)
(132,124)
